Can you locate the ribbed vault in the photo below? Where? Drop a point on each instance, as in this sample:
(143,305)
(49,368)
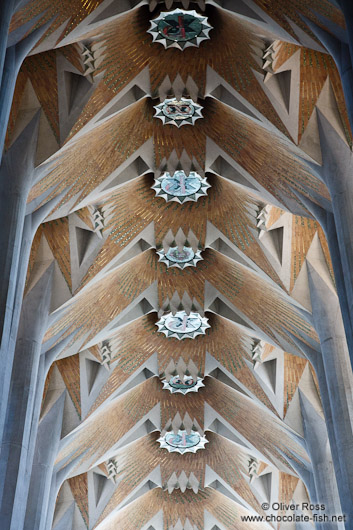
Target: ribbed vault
(267,282)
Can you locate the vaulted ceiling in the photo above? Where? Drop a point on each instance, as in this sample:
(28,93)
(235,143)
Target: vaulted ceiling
(91,85)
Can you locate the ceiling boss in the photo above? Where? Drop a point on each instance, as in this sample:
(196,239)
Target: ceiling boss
(180,29)
(178,112)
(183,326)
(180,187)
(182,442)
(179,258)
(182,385)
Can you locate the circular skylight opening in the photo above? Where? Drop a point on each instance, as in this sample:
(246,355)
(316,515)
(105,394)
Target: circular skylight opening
(180,187)
(182,442)
(183,326)
(180,29)
(175,257)
(179,26)
(178,112)
(180,256)
(179,385)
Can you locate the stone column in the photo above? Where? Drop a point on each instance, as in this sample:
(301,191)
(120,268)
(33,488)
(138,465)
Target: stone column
(15,470)
(337,393)
(16,173)
(336,172)
(318,448)
(43,491)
